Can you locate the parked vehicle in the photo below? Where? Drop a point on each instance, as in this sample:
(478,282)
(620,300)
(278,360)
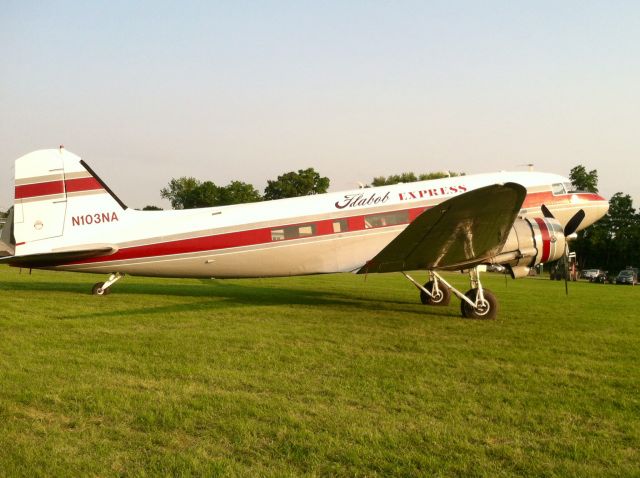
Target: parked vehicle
(590,273)
(627,276)
(601,278)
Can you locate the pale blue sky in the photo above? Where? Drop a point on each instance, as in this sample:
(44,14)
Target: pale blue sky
(248,90)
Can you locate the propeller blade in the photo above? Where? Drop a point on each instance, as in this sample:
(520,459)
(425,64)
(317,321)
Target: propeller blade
(574,223)
(546,212)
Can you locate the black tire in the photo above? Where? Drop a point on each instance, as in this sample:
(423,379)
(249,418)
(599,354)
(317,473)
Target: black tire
(443,298)
(98,290)
(488,313)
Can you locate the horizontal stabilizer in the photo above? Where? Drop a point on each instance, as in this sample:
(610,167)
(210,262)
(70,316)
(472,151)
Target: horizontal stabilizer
(460,232)
(59,257)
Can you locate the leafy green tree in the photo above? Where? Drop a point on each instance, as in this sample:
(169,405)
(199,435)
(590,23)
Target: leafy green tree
(151,208)
(237,192)
(410,177)
(583,180)
(183,193)
(305,182)
(439,175)
(189,193)
(394,179)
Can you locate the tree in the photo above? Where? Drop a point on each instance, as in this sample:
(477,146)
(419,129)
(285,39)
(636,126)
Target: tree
(184,193)
(303,183)
(151,208)
(189,193)
(410,177)
(583,180)
(237,192)
(394,179)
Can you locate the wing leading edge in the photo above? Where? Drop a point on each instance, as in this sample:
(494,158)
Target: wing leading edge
(460,232)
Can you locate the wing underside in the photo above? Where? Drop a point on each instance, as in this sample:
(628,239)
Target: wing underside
(458,233)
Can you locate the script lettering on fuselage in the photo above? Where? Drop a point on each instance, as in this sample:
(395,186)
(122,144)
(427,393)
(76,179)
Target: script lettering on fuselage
(432,192)
(97,218)
(361,199)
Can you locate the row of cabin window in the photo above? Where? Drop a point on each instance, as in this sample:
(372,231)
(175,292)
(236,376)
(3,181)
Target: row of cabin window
(340,225)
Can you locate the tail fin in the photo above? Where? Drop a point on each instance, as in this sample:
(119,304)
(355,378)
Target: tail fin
(55,191)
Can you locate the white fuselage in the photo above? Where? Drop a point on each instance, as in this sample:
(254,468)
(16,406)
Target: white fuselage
(333,232)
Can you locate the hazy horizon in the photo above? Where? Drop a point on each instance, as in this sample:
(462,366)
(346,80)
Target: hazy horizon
(224,91)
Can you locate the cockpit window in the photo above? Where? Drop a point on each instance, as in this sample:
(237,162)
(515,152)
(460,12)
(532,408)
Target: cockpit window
(570,188)
(558,188)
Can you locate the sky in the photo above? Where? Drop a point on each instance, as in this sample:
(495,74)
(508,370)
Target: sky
(246,90)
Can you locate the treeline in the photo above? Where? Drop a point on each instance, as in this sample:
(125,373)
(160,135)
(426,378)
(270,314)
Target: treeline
(612,243)
(411,178)
(189,192)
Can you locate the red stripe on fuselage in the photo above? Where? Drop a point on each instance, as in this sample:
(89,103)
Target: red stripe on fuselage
(40,189)
(548,198)
(232,239)
(546,239)
(323,227)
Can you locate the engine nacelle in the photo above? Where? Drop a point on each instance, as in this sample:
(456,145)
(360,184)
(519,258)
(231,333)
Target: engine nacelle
(531,242)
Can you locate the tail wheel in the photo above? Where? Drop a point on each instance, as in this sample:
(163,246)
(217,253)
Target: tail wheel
(442,297)
(488,309)
(98,290)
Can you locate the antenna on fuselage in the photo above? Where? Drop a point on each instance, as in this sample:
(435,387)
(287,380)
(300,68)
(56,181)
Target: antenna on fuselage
(528,165)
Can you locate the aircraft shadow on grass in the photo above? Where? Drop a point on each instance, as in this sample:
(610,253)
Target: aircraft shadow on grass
(223,296)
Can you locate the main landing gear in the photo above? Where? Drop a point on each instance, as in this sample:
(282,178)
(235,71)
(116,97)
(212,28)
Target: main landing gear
(476,303)
(103,288)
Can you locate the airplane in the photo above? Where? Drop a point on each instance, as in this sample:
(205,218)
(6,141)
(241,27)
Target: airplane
(66,218)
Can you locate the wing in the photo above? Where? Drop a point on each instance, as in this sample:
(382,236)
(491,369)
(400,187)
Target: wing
(460,232)
(58,257)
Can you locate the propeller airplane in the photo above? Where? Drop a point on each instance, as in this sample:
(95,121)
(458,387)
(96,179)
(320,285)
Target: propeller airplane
(66,218)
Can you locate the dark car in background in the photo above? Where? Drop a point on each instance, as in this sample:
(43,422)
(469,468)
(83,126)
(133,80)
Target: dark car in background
(627,277)
(602,278)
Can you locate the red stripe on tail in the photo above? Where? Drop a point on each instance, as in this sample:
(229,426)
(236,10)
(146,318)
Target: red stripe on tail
(40,189)
(82,184)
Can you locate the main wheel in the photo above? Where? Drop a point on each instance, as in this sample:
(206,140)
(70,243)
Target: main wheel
(443,297)
(98,290)
(487,310)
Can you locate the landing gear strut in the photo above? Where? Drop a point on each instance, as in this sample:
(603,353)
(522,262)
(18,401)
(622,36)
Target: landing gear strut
(103,288)
(476,303)
(432,293)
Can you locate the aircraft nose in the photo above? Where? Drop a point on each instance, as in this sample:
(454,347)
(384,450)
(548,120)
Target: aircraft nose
(595,210)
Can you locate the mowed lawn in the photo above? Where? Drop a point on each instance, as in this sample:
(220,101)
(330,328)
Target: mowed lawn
(323,375)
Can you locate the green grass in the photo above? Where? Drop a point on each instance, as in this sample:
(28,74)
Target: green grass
(325,375)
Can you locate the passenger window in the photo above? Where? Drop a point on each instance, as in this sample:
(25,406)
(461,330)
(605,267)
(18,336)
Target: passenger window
(340,225)
(386,219)
(558,188)
(293,232)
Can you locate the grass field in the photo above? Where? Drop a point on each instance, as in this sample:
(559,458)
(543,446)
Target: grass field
(325,375)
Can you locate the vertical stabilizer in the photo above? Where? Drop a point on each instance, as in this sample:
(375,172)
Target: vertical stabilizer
(55,191)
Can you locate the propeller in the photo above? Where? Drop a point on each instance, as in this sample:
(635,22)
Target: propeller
(571,227)
(574,223)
